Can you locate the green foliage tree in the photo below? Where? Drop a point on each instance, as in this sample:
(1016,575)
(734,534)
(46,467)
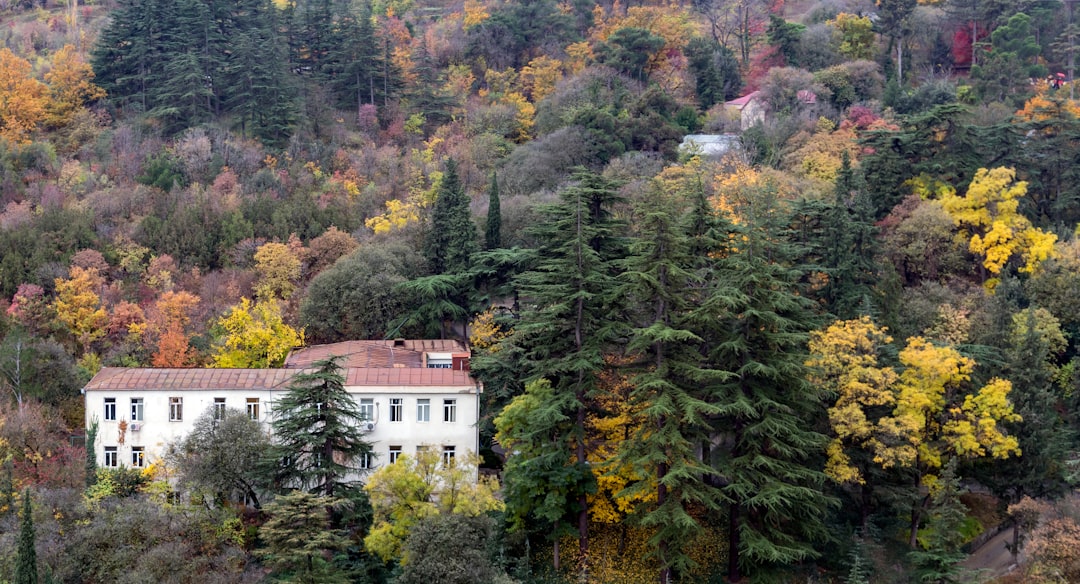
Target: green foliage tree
(451,549)
(786,36)
(91,454)
(572,305)
(493,231)
(451,239)
(299,539)
(1010,63)
(221,455)
(672,389)
(771,483)
(317,433)
(544,484)
(629,49)
(26,564)
(716,71)
(938,559)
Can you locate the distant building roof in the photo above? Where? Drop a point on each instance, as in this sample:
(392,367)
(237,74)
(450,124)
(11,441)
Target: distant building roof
(741,102)
(710,144)
(406,353)
(806,96)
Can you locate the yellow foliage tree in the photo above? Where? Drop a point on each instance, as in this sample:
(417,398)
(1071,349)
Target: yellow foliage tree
(398,214)
(78,306)
(22,98)
(475,13)
(540,76)
(989,214)
(856,35)
(279,269)
(255,336)
(413,488)
(844,358)
(70,86)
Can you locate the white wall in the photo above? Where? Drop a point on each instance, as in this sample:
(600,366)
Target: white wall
(157,431)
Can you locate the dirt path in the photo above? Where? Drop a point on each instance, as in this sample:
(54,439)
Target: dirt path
(992,559)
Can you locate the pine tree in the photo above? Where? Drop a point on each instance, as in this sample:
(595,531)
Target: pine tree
(26,570)
(768,409)
(317,433)
(938,560)
(91,454)
(493,232)
(672,387)
(849,246)
(570,318)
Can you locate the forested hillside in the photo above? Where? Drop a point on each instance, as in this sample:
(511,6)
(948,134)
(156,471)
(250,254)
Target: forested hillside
(845,350)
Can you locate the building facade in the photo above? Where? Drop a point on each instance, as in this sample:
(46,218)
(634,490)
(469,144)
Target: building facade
(415,395)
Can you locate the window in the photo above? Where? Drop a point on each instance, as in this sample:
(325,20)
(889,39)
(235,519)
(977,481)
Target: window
(367,409)
(423,410)
(111,459)
(448,455)
(219,408)
(137,458)
(440,360)
(136,409)
(176,409)
(366,461)
(395,452)
(396,405)
(449,410)
(253,408)
(110,409)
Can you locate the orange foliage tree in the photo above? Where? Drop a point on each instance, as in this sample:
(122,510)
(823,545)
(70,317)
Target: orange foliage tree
(70,87)
(22,98)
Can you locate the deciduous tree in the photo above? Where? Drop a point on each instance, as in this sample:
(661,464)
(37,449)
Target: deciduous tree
(71,86)
(23,99)
(255,336)
(79,308)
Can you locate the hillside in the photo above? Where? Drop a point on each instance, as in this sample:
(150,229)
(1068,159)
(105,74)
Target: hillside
(838,352)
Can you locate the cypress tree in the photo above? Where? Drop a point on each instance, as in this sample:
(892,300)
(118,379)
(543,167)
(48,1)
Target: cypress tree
(317,431)
(91,454)
(493,232)
(26,571)
(572,302)
(770,481)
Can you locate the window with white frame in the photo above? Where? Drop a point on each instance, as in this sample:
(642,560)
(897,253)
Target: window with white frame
(397,406)
(112,460)
(448,455)
(449,410)
(110,409)
(253,408)
(136,409)
(176,409)
(219,408)
(440,360)
(137,457)
(367,409)
(423,410)
(366,461)
(395,452)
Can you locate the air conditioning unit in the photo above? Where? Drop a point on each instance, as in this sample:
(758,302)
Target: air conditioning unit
(367,426)
(135,427)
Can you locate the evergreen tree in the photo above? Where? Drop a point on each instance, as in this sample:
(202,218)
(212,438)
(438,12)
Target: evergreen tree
(716,71)
(493,231)
(451,239)
(768,410)
(938,560)
(571,307)
(26,569)
(299,537)
(317,433)
(357,62)
(7,487)
(91,454)
(849,247)
(672,388)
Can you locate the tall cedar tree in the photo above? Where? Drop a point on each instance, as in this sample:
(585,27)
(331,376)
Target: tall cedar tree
(26,571)
(91,454)
(769,458)
(571,313)
(299,539)
(493,228)
(849,247)
(317,431)
(672,389)
(359,71)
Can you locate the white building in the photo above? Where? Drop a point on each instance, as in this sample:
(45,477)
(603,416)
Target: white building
(415,394)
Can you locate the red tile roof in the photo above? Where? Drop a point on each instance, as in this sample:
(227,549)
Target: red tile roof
(407,353)
(123,378)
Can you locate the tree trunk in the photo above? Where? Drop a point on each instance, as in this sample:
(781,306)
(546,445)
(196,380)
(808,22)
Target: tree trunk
(733,544)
